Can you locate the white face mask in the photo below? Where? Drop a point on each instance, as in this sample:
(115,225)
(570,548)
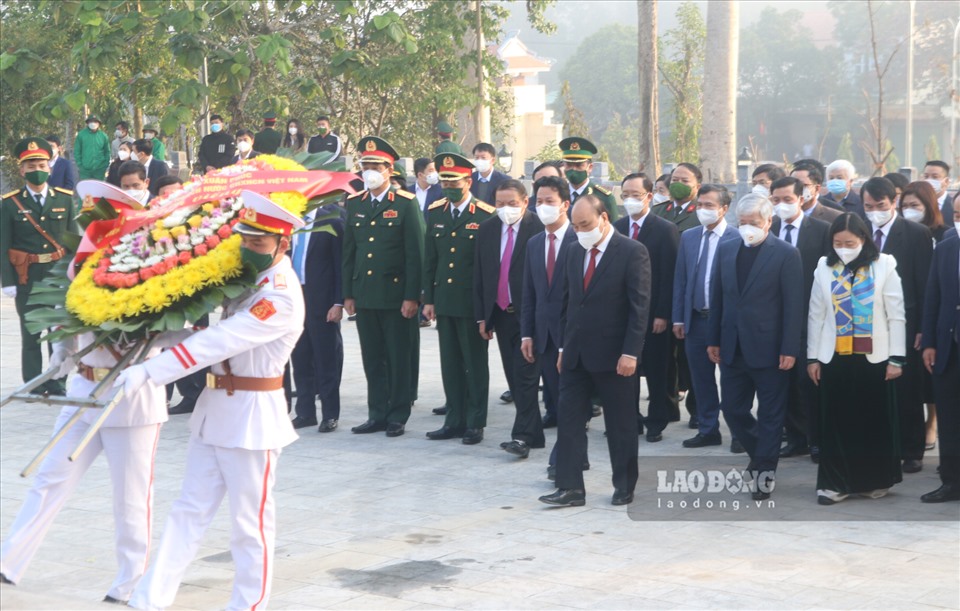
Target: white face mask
(707,217)
(292,131)
(244,147)
(589,239)
(761,190)
(957,225)
(659,198)
(879,217)
(138,194)
(848,254)
(93,126)
(123,155)
(786,211)
(432,178)
(751,235)
(807,194)
(509,214)
(936,184)
(482,165)
(118,133)
(634,206)
(372,179)
(548,214)
(912,214)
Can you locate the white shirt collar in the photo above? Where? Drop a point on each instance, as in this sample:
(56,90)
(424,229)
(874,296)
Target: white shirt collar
(719,230)
(602,246)
(638,222)
(560,232)
(885,230)
(795,223)
(43,191)
(462,206)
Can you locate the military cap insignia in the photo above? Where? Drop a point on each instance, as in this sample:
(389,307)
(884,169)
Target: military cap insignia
(574,146)
(389,214)
(263,309)
(32,146)
(248,214)
(371,145)
(448,162)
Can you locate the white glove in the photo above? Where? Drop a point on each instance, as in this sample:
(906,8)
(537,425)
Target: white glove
(61,358)
(10,291)
(132,379)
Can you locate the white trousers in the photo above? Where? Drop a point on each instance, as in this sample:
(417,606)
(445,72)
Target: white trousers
(247,478)
(130,452)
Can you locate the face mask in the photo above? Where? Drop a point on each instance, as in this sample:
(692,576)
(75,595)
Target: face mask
(149,135)
(680,191)
(957,225)
(588,239)
(659,198)
(912,214)
(879,217)
(482,165)
(259,261)
(123,155)
(137,194)
(93,126)
(244,147)
(55,152)
(848,254)
(707,217)
(118,133)
(786,211)
(548,214)
(807,195)
(453,194)
(576,177)
(322,131)
(936,184)
(761,190)
(509,214)
(837,186)
(292,131)
(751,235)
(634,206)
(37,177)
(372,179)
(216,127)
(432,178)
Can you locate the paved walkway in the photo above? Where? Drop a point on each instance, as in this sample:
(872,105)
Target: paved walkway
(367,522)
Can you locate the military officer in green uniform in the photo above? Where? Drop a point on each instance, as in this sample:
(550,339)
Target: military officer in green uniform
(151,133)
(267,140)
(453,223)
(32,223)
(382,271)
(446,144)
(684,185)
(577,155)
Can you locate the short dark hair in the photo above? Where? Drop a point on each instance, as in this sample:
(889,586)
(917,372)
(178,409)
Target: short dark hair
(421,164)
(696,171)
(132,167)
(722,192)
(664,178)
(215,118)
(899,180)
(556,183)
(52,139)
(165,181)
(809,161)
(647,183)
(244,132)
(879,188)
(484,147)
(323,118)
(921,189)
(773,171)
(939,164)
(552,163)
(787,181)
(142,145)
(851,222)
(512,184)
(122,124)
(814,173)
(594,202)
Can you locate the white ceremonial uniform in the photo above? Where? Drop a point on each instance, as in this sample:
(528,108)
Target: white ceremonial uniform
(235,441)
(128,438)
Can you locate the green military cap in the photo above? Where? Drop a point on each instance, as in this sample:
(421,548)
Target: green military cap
(150,127)
(270,116)
(577,149)
(376,150)
(92,118)
(32,148)
(451,166)
(444,128)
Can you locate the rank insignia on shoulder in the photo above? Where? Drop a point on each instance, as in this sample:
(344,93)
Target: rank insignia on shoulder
(279,281)
(603,190)
(473,226)
(355,195)
(390,214)
(437,204)
(263,309)
(486,207)
(10,194)
(406,194)
(65,191)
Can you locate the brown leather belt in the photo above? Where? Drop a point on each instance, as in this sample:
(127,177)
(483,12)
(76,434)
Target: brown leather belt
(231,383)
(94,374)
(45,257)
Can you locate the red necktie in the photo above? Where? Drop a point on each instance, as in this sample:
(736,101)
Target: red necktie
(551,257)
(591,267)
(636,232)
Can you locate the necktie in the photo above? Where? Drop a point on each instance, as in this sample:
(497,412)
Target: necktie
(591,267)
(551,257)
(700,288)
(788,238)
(575,196)
(39,200)
(878,239)
(299,251)
(503,283)
(456,213)
(636,232)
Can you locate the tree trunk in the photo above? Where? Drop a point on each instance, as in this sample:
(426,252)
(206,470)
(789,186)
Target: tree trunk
(718,146)
(137,126)
(647,77)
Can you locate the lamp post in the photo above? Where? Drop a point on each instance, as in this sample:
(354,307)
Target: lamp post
(744,161)
(505,158)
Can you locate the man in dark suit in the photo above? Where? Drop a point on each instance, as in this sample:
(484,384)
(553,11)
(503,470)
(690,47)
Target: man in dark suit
(937,173)
(318,356)
(604,319)
(755,321)
(811,237)
(811,178)
(497,301)
(681,210)
(486,177)
(661,239)
(941,356)
(841,196)
(691,306)
(143,150)
(427,184)
(912,246)
(62,174)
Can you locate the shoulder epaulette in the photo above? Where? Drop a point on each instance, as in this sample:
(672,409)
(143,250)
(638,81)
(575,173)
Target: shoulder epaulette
(438,204)
(10,194)
(603,190)
(66,191)
(486,207)
(360,194)
(406,194)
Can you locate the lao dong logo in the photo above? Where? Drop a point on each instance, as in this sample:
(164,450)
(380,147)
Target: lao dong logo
(713,481)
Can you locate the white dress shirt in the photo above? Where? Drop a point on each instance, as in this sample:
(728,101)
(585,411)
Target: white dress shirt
(638,223)
(711,249)
(602,247)
(421,195)
(42,192)
(885,230)
(793,234)
(560,233)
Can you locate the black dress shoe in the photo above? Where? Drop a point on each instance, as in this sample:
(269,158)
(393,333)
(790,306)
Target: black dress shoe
(565,498)
(3,579)
(794,449)
(621,497)
(549,421)
(946,492)
(440,411)
(301,423)
(517,448)
(654,437)
(395,429)
(328,426)
(736,447)
(694,423)
(114,601)
(445,432)
(702,441)
(507,397)
(597,411)
(184,407)
(370,426)
(912,465)
(472,437)
(825,500)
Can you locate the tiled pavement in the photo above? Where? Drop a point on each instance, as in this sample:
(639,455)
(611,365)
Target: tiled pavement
(367,522)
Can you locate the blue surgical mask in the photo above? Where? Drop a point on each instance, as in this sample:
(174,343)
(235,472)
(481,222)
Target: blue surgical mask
(216,127)
(837,186)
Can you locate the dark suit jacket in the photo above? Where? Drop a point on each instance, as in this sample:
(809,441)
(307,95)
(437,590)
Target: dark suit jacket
(684,276)
(323,265)
(824,213)
(912,246)
(155,171)
(609,318)
(542,304)
(766,317)
(813,243)
(434,192)
(947,209)
(941,305)
(850,203)
(496,178)
(662,239)
(62,174)
(486,269)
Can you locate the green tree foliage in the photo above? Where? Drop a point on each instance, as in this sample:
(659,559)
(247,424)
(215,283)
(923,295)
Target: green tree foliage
(682,52)
(932,149)
(845,149)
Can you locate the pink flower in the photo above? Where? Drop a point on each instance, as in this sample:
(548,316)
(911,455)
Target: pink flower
(224,231)
(131,280)
(185,257)
(200,250)
(170,262)
(147,273)
(212,241)
(160,268)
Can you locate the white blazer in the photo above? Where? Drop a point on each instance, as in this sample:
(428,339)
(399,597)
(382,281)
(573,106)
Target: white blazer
(889,318)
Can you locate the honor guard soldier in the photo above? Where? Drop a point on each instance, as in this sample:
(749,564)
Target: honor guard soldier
(32,223)
(577,154)
(382,271)
(240,423)
(453,224)
(446,144)
(267,140)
